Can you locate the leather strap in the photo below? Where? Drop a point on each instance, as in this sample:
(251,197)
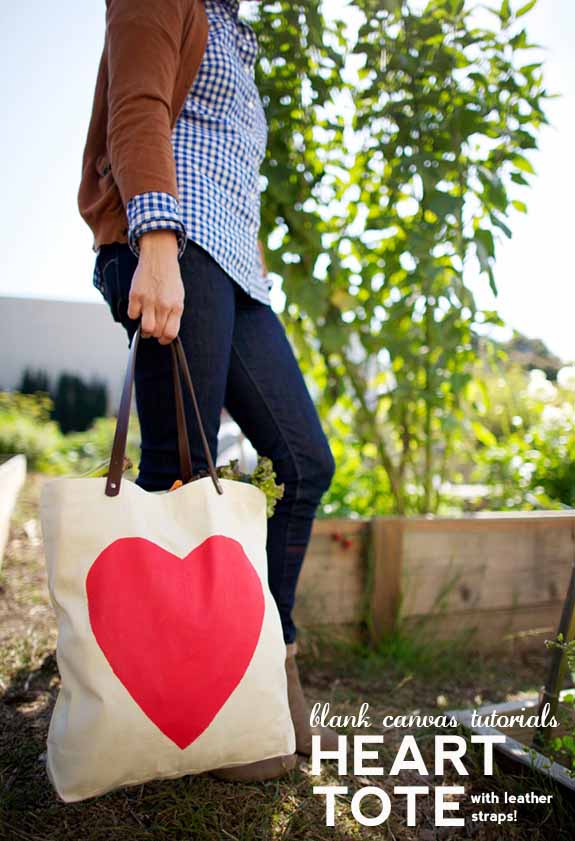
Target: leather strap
(186,469)
(178,350)
(179,367)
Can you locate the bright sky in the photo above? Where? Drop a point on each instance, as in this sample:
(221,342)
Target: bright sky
(48,63)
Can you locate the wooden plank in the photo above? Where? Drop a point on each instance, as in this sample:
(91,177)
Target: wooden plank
(497,519)
(440,546)
(486,569)
(331,587)
(386,571)
(458,588)
(508,573)
(12,478)
(308,636)
(489,629)
(350,526)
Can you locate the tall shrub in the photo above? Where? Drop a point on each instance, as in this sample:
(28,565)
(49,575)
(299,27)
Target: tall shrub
(78,404)
(34,381)
(394,162)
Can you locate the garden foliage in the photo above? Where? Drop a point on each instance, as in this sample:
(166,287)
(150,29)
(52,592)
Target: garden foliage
(400,146)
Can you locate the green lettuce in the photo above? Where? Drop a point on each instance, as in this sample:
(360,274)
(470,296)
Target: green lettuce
(263,477)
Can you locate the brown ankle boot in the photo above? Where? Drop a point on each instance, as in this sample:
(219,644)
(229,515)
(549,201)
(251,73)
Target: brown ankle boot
(300,711)
(264,769)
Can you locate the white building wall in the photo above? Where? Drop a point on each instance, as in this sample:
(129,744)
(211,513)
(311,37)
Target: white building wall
(56,336)
(81,338)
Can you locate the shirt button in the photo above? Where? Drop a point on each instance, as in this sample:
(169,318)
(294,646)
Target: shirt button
(251,103)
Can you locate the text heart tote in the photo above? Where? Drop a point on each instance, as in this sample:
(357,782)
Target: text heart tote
(170,648)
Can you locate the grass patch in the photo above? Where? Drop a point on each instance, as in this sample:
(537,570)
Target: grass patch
(411,652)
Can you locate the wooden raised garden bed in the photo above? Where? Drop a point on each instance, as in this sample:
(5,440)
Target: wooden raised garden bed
(488,575)
(12,476)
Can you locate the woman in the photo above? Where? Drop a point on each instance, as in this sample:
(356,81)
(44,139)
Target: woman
(170,190)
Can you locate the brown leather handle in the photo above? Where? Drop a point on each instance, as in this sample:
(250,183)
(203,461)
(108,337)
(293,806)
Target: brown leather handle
(186,469)
(179,367)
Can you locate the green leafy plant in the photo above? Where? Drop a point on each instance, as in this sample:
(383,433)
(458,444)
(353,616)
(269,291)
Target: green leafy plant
(263,477)
(526,438)
(360,487)
(564,746)
(398,151)
(26,427)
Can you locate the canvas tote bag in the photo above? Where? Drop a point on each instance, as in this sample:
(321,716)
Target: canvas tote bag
(170,647)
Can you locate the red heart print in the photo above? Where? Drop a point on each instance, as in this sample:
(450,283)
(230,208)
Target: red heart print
(179,633)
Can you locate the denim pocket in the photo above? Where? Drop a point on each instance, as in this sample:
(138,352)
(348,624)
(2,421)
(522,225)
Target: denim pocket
(109,271)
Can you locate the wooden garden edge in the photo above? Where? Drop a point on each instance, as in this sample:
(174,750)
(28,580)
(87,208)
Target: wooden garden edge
(12,478)
(511,748)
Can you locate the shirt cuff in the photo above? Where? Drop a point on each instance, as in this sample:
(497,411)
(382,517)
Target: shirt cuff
(154,212)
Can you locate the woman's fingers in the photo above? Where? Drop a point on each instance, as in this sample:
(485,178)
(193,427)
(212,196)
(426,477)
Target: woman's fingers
(148,322)
(171,328)
(137,306)
(134,304)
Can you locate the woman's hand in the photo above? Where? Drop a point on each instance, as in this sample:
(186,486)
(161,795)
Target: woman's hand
(157,291)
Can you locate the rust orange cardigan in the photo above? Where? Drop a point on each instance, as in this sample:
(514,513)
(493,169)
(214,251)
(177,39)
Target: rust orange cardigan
(152,52)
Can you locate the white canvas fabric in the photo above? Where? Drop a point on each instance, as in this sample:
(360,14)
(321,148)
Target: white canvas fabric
(170,647)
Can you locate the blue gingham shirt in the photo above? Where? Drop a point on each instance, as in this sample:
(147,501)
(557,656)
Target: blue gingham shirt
(219,142)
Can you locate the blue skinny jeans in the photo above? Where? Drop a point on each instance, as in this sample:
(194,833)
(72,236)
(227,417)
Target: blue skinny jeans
(240,359)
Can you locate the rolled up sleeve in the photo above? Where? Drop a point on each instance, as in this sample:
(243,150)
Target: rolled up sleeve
(154,211)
